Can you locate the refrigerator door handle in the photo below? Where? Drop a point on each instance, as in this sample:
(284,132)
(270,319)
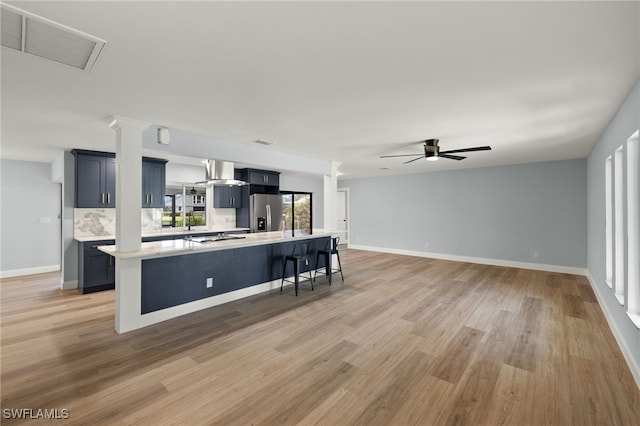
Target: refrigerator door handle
(268,218)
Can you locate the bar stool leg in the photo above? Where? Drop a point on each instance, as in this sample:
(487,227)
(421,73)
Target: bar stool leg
(327,264)
(340,265)
(295,271)
(284,268)
(315,272)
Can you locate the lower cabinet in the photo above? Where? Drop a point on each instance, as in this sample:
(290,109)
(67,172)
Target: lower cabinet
(96,270)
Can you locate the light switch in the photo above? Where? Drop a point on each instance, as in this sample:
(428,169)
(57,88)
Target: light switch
(45,220)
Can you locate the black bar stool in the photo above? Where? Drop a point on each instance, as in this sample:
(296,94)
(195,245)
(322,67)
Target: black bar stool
(300,258)
(330,248)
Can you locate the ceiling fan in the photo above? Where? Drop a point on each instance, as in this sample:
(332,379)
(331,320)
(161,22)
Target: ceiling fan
(432,152)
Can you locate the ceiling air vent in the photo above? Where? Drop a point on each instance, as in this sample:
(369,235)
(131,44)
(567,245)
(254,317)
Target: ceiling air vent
(32,34)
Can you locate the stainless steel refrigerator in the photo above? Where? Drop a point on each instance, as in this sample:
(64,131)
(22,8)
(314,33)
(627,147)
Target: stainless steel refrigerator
(265,213)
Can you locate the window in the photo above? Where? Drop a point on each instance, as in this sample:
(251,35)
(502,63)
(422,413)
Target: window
(183,206)
(618,225)
(633,229)
(622,225)
(296,213)
(608,170)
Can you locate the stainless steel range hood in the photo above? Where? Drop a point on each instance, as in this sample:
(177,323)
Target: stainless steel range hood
(220,173)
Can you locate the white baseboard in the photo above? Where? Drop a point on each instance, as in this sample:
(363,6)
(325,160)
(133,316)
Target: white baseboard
(29,271)
(150,318)
(481,260)
(69,285)
(622,343)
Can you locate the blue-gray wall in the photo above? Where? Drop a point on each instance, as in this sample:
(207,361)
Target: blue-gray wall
(505,213)
(625,122)
(28,194)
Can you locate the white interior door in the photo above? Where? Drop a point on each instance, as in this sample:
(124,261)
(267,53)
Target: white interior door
(342,216)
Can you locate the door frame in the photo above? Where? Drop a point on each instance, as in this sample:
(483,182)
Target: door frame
(347,208)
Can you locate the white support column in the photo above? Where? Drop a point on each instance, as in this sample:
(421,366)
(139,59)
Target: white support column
(330,198)
(128,219)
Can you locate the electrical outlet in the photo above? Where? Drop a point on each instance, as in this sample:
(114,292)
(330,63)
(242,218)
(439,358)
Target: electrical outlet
(537,254)
(426,245)
(209,282)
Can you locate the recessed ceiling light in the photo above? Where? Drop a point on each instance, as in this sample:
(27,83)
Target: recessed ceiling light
(261,142)
(38,36)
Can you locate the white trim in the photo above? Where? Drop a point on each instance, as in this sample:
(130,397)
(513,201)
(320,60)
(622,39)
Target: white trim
(626,351)
(118,121)
(480,260)
(69,285)
(635,318)
(29,271)
(347,232)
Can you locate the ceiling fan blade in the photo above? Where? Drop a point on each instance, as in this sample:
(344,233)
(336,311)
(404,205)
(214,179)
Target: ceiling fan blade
(415,159)
(452,157)
(477,148)
(401,155)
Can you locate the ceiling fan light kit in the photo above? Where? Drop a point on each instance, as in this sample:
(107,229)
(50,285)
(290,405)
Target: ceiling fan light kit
(432,152)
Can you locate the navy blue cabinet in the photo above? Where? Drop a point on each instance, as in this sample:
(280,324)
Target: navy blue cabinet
(263,177)
(153,182)
(260,182)
(227,197)
(96,270)
(95,179)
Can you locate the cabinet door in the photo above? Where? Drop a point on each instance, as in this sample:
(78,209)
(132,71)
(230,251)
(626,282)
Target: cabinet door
(263,177)
(99,269)
(153,184)
(236,196)
(96,270)
(273,179)
(227,197)
(90,185)
(222,197)
(156,184)
(257,178)
(95,181)
(110,182)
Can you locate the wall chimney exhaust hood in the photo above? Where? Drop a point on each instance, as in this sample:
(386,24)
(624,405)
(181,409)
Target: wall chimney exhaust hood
(220,173)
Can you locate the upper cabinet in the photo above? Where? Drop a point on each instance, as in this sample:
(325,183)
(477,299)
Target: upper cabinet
(263,177)
(227,197)
(95,179)
(260,181)
(153,182)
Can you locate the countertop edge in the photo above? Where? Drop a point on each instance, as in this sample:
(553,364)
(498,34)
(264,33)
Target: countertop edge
(156,249)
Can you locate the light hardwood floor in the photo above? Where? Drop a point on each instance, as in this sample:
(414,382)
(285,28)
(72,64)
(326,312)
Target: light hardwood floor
(403,341)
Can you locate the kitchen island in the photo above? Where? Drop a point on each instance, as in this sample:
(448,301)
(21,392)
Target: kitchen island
(181,276)
(96,270)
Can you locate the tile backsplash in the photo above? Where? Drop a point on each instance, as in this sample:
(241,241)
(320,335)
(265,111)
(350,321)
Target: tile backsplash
(221,218)
(102,222)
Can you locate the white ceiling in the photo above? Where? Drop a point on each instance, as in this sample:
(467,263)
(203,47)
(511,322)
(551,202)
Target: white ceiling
(343,81)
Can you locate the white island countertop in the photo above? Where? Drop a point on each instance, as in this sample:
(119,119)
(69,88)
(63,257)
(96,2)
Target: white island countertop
(166,232)
(181,246)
